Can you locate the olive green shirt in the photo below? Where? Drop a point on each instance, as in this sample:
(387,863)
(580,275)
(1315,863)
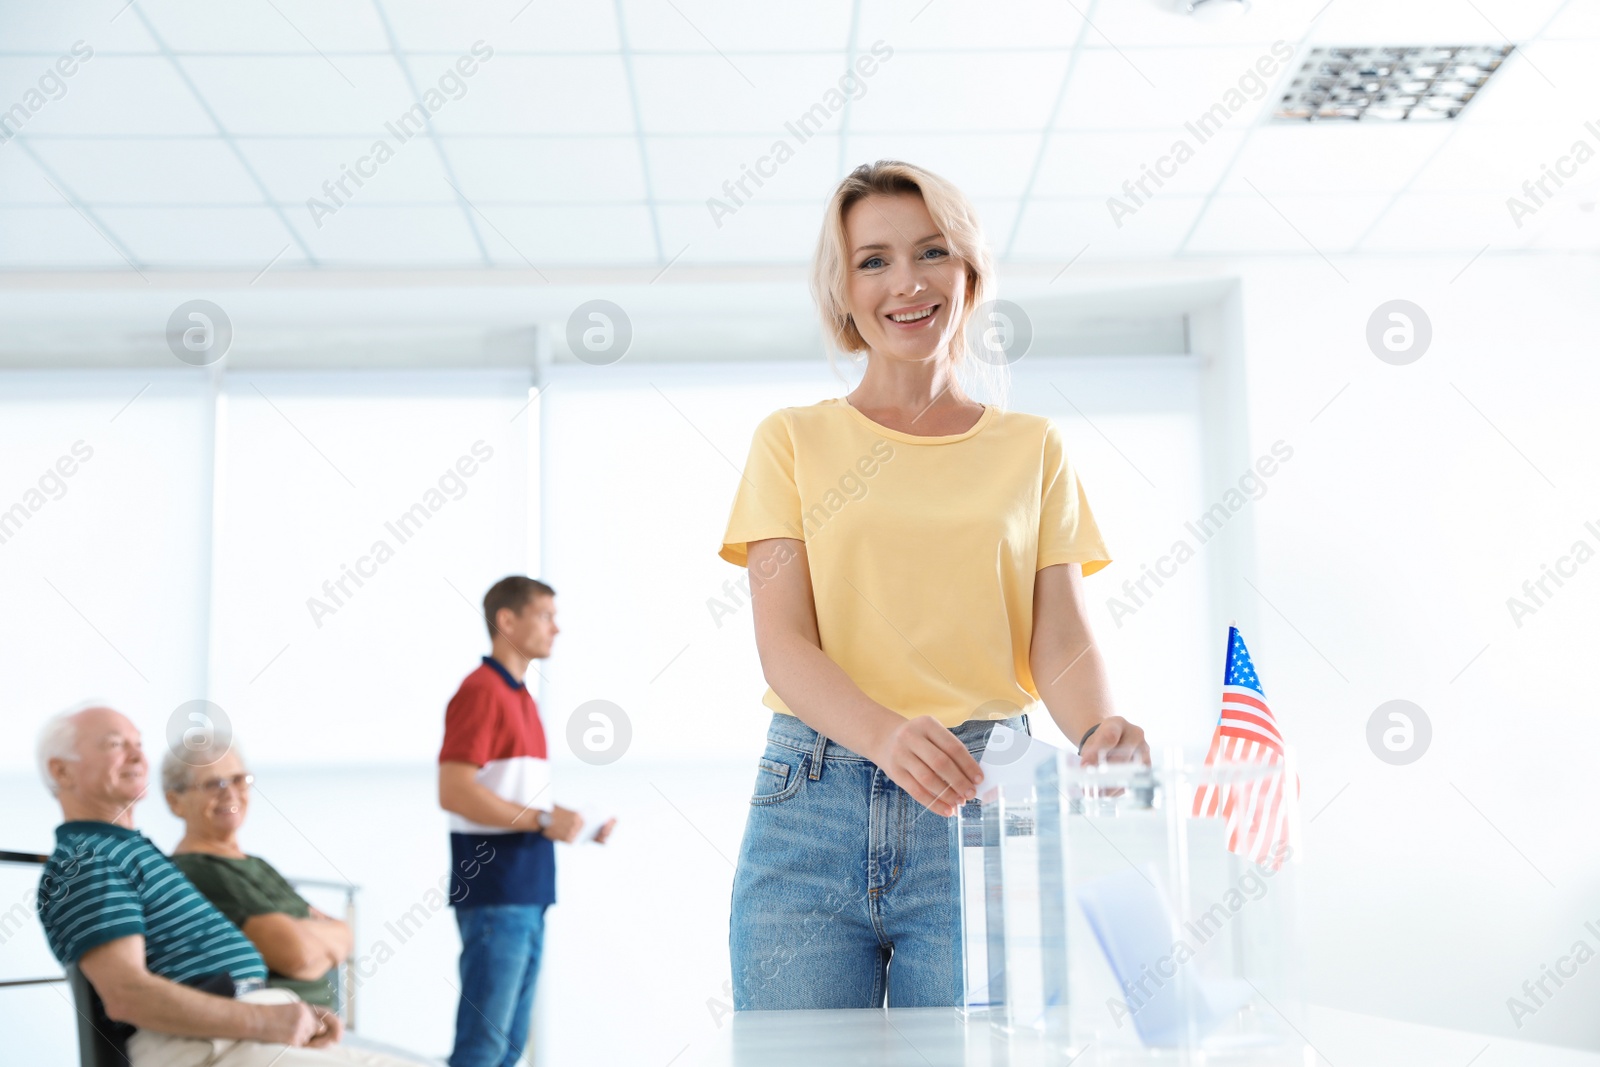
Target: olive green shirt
(243,889)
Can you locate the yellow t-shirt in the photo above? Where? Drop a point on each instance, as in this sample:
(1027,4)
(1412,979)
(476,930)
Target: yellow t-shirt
(922,550)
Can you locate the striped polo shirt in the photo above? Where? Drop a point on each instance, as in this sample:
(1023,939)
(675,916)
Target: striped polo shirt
(105,881)
(493,723)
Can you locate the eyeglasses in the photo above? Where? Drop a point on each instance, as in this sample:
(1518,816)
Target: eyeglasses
(219,786)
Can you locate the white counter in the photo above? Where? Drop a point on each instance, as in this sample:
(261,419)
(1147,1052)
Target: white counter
(937,1037)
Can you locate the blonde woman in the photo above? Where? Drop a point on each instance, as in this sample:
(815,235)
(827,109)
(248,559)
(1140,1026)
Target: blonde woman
(917,562)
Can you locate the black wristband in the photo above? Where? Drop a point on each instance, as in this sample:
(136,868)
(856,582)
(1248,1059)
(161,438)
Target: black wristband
(1091,730)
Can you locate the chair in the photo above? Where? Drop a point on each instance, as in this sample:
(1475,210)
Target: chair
(102,1041)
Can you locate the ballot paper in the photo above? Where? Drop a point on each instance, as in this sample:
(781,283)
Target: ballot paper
(1011,757)
(1163,985)
(593,819)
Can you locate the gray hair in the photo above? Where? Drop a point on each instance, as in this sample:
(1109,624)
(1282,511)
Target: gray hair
(58,739)
(179,764)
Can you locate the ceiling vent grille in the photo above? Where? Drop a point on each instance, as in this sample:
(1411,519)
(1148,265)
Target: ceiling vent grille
(1420,84)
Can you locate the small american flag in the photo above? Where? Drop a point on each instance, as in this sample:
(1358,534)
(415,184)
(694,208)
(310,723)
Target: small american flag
(1259,817)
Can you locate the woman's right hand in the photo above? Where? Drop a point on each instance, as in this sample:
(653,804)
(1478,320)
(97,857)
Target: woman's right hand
(929,762)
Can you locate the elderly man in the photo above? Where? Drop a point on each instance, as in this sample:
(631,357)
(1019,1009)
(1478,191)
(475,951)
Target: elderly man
(144,937)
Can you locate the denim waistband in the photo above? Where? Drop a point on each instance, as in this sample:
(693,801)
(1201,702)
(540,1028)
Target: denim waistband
(790,732)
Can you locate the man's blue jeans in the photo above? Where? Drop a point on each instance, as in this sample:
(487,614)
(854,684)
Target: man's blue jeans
(500,948)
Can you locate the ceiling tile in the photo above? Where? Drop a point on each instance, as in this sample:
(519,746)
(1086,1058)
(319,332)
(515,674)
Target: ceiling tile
(1548,80)
(696,169)
(1056,231)
(22,181)
(550,94)
(202,236)
(390,236)
(303,95)
(1164,88)
(1500,158)
(1576,21)
(1461,222)
(756,233)
(911,25)
(1080,162)
(1572,228)
(981,164)
(292,26)
(548,169)
(743,94)
(1357,22)
(181,171)
(52,29)
(1324,158)
(1156,23)
(993,92)
(1288,222)
(576,234)
(298,169)
(735,26)
(53,237)
(507,26)
(997,215)
(114,95)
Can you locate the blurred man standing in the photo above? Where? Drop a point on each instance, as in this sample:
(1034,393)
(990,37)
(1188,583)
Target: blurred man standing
(494,780)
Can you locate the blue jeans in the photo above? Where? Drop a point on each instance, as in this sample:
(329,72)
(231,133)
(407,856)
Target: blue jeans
(844,889)
(500,947)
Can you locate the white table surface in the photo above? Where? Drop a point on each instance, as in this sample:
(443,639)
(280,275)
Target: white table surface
(938,1037)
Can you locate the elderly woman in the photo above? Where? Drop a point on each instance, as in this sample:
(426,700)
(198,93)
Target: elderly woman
(209,789)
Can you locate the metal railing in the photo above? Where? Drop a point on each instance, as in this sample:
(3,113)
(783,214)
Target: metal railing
(29,859)
(344,984)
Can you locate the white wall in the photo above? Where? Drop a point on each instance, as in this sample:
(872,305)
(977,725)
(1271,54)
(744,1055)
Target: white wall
(1417,502)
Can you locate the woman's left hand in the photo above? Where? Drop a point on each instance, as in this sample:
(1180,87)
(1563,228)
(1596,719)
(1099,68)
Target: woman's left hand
(1119,739)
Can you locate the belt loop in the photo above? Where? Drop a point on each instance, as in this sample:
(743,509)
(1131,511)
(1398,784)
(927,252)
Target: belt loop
(816,757)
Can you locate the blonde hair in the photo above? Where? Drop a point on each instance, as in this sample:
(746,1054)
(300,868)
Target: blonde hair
(957,221)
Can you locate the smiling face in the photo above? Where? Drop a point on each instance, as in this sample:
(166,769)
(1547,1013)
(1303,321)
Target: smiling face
(905,290)
(111,772)
(532,630)
(215,802)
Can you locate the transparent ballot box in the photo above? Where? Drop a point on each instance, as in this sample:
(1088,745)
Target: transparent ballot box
(1103,907)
